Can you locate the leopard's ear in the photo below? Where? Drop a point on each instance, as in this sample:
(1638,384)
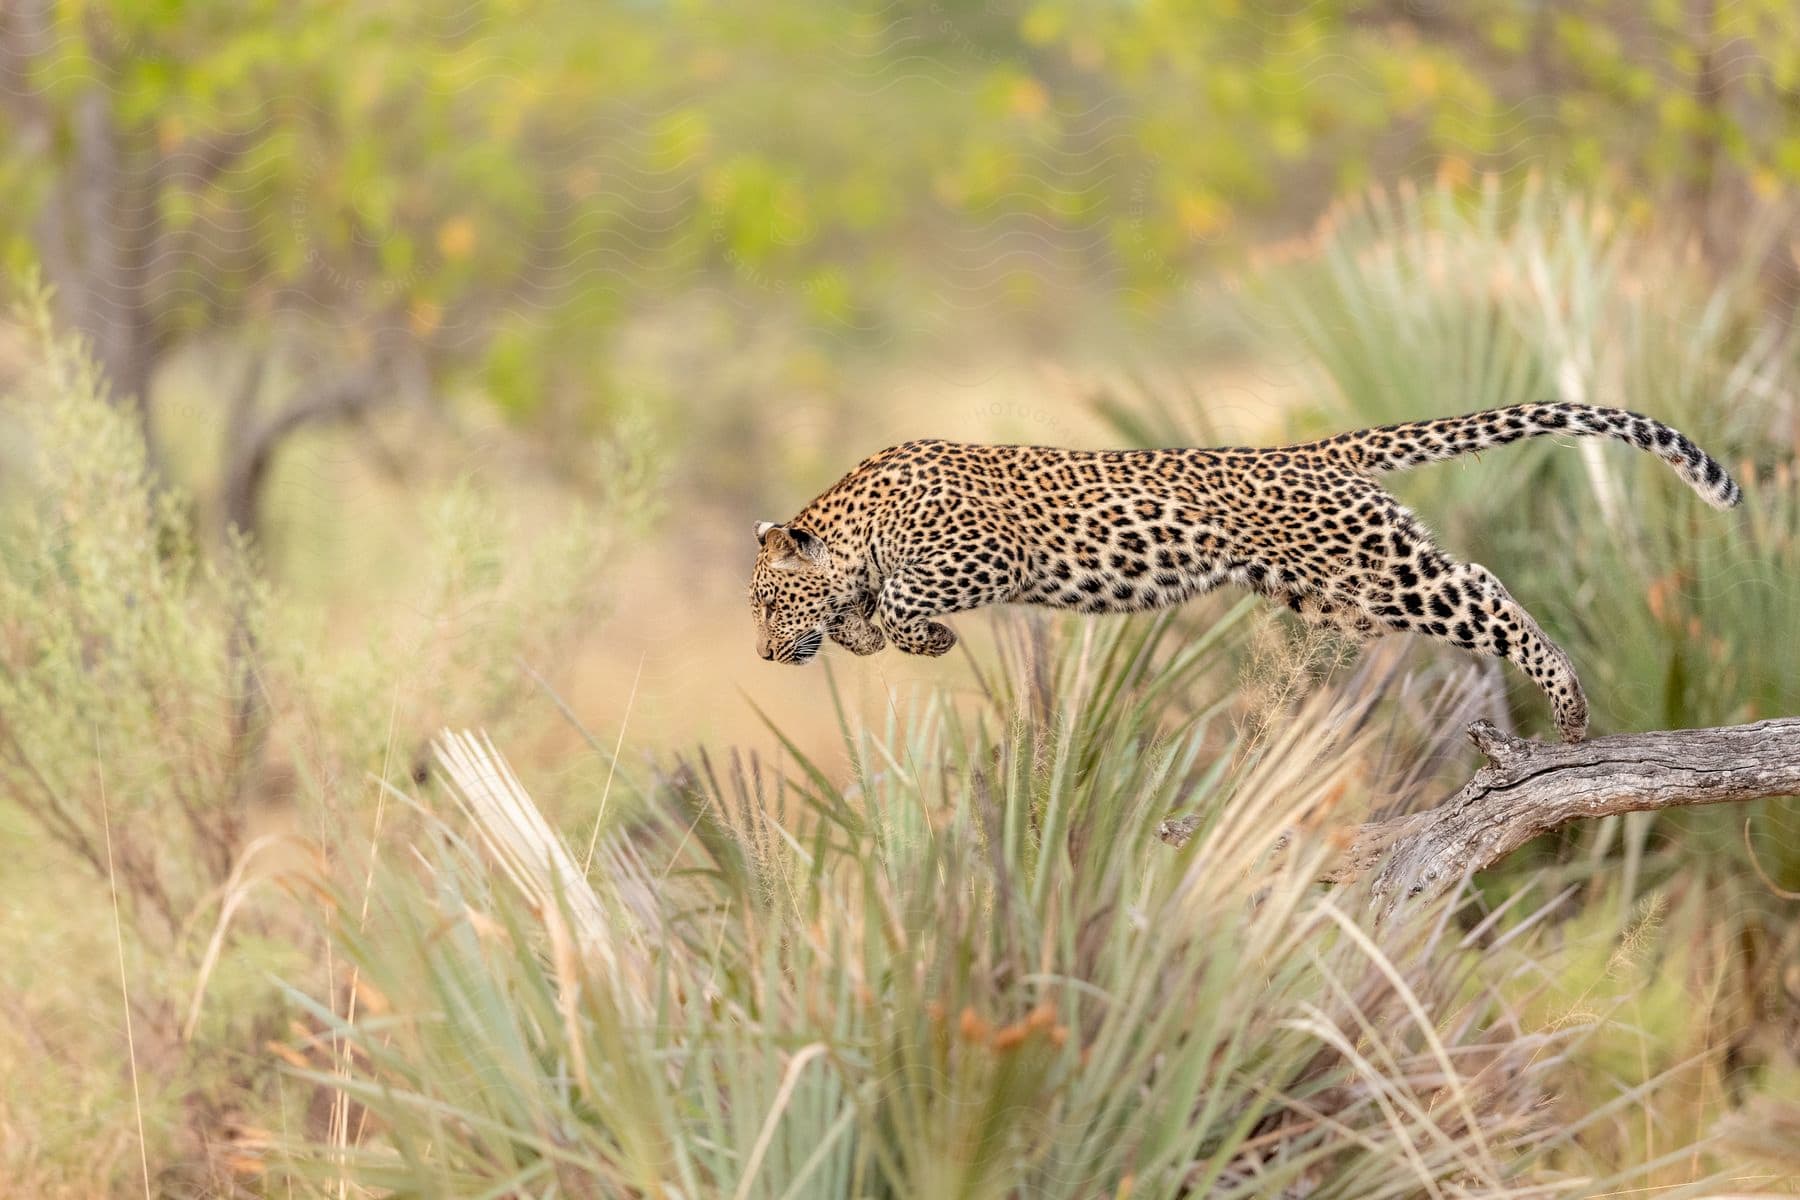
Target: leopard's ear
(811,546)
(792,548)
(762,530)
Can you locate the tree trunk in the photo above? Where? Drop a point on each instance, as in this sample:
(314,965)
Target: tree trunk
(101,220)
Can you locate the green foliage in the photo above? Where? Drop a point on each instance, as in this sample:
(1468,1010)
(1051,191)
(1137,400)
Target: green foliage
(122,766)
(1445,301)
(1448,300)
(118,647)
(973,970)
(546,170)
(176,735)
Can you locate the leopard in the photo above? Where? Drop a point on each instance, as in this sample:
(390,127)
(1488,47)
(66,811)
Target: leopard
(930,528)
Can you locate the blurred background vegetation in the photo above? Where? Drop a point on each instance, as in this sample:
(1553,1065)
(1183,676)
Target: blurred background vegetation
(381,366)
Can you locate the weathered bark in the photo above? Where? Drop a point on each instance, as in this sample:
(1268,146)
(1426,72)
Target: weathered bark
(1529,788)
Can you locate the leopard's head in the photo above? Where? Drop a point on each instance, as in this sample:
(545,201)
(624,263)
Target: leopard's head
(795,592)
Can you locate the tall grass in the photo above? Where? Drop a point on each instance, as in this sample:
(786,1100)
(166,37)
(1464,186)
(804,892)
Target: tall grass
(957,960)
(961,962)
(970,969)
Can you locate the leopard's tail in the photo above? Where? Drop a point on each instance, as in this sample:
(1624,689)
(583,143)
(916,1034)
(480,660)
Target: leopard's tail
(1414,443)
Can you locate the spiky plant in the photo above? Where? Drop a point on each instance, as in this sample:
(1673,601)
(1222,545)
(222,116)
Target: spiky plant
(969,969)
(1432,301)
(1427,302)
(1444,300)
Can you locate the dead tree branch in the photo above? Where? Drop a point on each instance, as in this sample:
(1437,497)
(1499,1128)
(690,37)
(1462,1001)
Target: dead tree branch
(254,445)
(1529,788)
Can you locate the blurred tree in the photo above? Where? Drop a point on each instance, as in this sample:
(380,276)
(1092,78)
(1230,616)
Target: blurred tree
(349,205)
(343,202)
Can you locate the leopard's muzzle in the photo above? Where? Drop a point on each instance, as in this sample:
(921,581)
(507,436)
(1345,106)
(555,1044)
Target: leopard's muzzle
(803,648)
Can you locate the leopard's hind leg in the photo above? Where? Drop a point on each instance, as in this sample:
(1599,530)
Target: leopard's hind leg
(1466,605)
(1399,580)
(1508,631)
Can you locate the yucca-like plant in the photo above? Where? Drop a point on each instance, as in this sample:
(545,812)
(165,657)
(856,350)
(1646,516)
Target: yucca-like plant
(970,970)
(1437,301)
(1444,300)
(1426,302)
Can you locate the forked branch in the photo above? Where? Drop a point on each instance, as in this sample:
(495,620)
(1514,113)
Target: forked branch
(1529,788)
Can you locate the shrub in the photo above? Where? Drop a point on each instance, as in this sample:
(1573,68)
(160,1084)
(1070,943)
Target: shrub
(176,737)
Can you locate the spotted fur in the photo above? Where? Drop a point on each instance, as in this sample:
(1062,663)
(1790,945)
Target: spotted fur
(930,528)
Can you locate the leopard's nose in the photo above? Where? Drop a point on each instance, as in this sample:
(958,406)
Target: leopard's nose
(768,654)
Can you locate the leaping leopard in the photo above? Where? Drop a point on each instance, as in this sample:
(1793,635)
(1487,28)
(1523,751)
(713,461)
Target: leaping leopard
(929,528)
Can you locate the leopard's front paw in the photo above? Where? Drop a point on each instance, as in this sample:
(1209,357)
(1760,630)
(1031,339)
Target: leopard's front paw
(857,634)
(931,639)
(939,639)
(866,640)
